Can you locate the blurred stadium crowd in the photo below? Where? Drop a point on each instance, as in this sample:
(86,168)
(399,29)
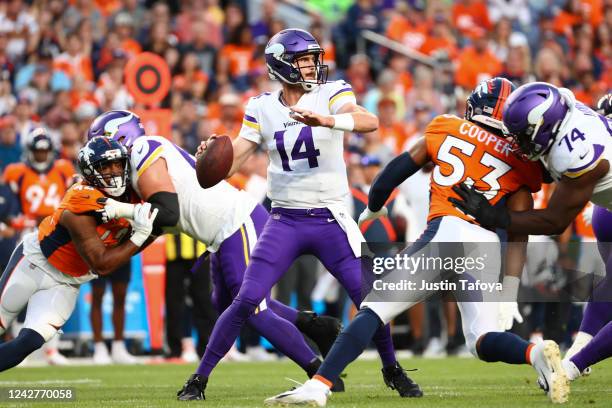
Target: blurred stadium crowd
(62,63)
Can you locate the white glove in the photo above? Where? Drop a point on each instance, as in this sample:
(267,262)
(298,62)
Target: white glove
(368,215)
(508,312)
(114,209)
(143,223)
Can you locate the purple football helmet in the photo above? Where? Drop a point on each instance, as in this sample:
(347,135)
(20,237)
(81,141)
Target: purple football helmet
(282,51)
(532,116)
(120,125)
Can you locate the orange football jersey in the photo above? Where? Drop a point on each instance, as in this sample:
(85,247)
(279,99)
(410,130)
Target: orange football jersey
(463,151)
(39,194)
(55,240)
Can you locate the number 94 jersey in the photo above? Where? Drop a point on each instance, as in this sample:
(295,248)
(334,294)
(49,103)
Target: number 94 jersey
(464,152)
(307,168)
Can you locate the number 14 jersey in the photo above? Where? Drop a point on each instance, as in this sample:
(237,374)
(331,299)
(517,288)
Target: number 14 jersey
(463,151)
(307,168)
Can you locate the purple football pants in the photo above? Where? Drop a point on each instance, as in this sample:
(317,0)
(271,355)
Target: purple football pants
(597,319)
(272,320)
(288,234)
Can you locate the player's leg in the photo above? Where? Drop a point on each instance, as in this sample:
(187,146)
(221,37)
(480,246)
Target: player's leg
(598,311)
(14,291)
(598,349)
(274,251)
(48,309)
(16,287)
(101,355)
(120,280)
(333,250)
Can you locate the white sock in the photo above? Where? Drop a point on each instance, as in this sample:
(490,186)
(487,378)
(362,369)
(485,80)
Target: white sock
(570,369)
(582,338)
(118,344)
(319,384)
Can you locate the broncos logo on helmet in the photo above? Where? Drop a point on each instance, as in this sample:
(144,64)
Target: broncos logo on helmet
(485,103)
(96,156)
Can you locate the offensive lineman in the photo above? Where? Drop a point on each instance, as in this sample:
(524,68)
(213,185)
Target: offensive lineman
(575,144)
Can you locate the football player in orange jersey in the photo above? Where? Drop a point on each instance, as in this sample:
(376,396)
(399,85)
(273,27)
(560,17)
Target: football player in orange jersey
(470,149)
(41,180)
(72,246)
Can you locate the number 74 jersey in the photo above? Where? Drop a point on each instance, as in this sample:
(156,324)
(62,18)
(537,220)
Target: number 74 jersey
(464,152)
(307,168)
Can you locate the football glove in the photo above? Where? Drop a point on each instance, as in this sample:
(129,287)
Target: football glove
(508,312)
(143,223)
(368,215)
(473,203)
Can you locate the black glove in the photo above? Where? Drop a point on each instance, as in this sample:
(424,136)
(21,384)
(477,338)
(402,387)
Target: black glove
(475,204)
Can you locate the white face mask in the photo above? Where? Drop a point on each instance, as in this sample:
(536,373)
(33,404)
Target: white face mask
(118,186)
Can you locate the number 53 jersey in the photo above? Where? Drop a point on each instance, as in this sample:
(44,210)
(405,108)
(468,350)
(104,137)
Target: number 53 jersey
(307,168)
(464,152)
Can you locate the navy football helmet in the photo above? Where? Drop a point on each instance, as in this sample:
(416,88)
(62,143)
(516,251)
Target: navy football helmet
(37,142)
(98,153)
(485,103)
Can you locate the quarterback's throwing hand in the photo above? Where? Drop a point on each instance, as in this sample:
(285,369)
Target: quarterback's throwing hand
(310,118)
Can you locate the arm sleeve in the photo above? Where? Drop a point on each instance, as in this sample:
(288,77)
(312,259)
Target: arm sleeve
(394,174)
(169,212)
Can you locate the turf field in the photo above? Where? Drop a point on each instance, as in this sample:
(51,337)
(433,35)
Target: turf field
(450,382)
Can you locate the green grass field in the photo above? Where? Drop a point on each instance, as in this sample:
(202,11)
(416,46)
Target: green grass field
(450,382)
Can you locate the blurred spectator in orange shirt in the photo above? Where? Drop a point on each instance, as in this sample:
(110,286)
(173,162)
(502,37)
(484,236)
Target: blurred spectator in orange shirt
(236,58)
(588,90)
(230,121)
(470,17)
(518,62)
(440,39)
(548,67)
(400,64)
(392,131)
(22,27)
(111,92)
(124,26)
(408,24)
(192,79)
(476,62)
(74,62)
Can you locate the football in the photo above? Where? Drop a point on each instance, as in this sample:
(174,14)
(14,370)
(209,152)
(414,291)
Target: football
(216,161)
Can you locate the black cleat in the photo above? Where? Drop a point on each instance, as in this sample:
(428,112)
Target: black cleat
(193,389)
(395,377)
(323,330)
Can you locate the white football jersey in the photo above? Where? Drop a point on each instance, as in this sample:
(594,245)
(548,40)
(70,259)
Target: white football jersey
(209,215)
(307,168)
(584,139)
